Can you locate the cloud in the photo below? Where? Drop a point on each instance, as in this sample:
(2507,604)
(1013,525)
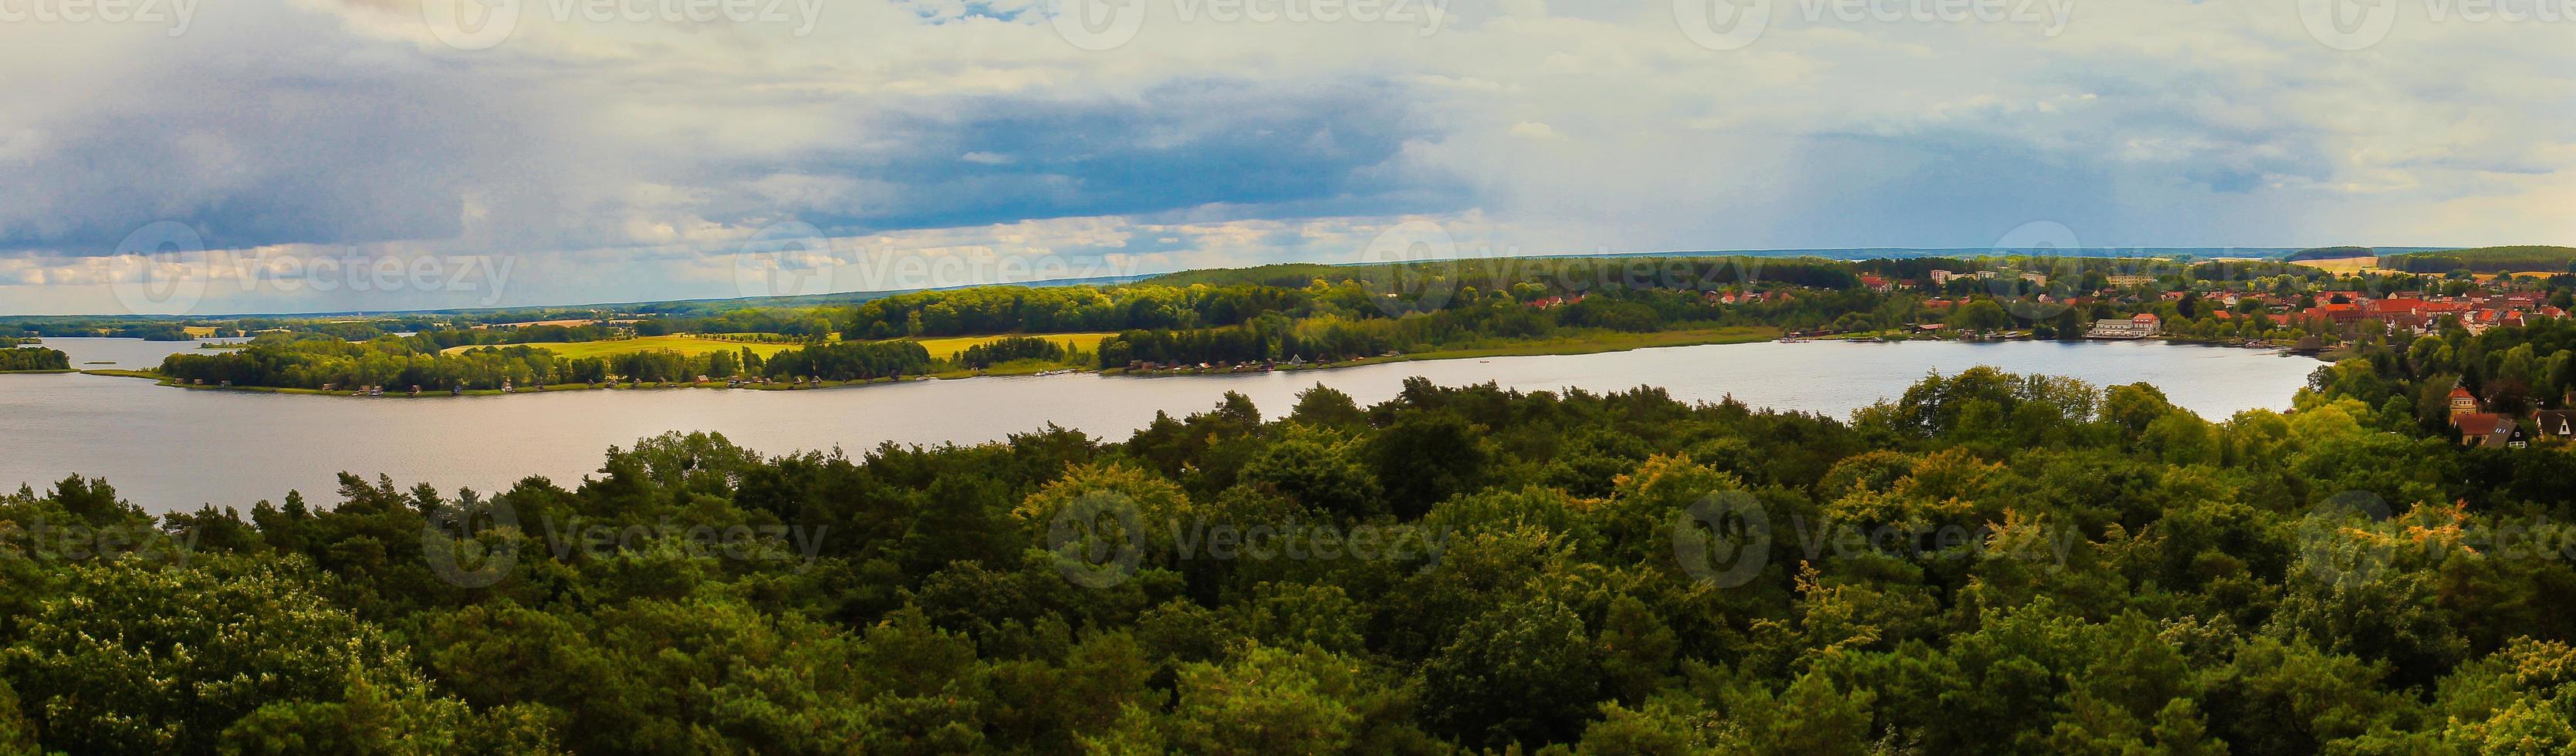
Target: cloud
(617,160)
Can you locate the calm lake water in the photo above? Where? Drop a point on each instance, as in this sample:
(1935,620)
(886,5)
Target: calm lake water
(166,448)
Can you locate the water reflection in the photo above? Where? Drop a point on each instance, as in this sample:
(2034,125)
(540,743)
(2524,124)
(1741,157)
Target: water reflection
(167,448)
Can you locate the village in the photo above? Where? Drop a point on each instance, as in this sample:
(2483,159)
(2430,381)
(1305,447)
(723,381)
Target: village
(2255,313)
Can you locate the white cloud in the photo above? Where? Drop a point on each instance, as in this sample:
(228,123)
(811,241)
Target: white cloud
(645,149)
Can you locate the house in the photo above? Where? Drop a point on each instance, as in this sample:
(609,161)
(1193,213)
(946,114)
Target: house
(2140,326)
(2464,403)
(1875,283)
(2558,423)
(2507,435)
(2477,427)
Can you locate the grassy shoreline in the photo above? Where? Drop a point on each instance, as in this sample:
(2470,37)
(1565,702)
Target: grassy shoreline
(405,394)
(1593,343)
(1586,344)
(1590,343)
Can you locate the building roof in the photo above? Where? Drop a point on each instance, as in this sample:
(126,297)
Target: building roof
(2502,435)
(2481,423)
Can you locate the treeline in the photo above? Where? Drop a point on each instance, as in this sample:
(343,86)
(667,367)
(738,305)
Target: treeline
(2528,258)
(1003,350)
(1989,563)
(445,338)
(148,330)
(1471,317)
(2512,370)
(15,357)
(313,361)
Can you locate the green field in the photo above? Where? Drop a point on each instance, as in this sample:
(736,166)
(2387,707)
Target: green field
(1587,341)
(683,344)
(949,347)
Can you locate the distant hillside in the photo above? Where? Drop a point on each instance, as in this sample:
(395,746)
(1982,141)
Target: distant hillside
(2523,258)
(1289,275)
(2330,253)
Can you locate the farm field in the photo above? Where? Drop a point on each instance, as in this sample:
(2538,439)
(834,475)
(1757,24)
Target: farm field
(686,344)
(2344,265)
(683,344)
(950,346)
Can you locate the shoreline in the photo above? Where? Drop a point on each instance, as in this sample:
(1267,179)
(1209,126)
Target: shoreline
(1532,348)
(1546,348)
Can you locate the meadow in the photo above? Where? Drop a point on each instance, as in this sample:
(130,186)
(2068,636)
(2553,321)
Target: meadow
(942,348)
(2343,265)
(681,343)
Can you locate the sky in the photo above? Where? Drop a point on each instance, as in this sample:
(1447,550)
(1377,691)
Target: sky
(168,157)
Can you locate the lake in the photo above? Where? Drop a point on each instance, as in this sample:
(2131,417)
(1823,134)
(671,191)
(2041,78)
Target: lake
(166,448)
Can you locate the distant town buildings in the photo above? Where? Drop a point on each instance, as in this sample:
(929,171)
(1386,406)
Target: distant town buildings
(2140,326)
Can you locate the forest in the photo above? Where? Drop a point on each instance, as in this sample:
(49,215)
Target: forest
(16,357)
(313,361)
(1277,313)
(2527,258)
(1986,563)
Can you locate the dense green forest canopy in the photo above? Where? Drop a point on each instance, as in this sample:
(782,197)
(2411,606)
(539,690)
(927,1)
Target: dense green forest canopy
(315,361)
(1989,562)
(1287,313)
(1236,314)
(2525,258)
(15,357)
(2329,253)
